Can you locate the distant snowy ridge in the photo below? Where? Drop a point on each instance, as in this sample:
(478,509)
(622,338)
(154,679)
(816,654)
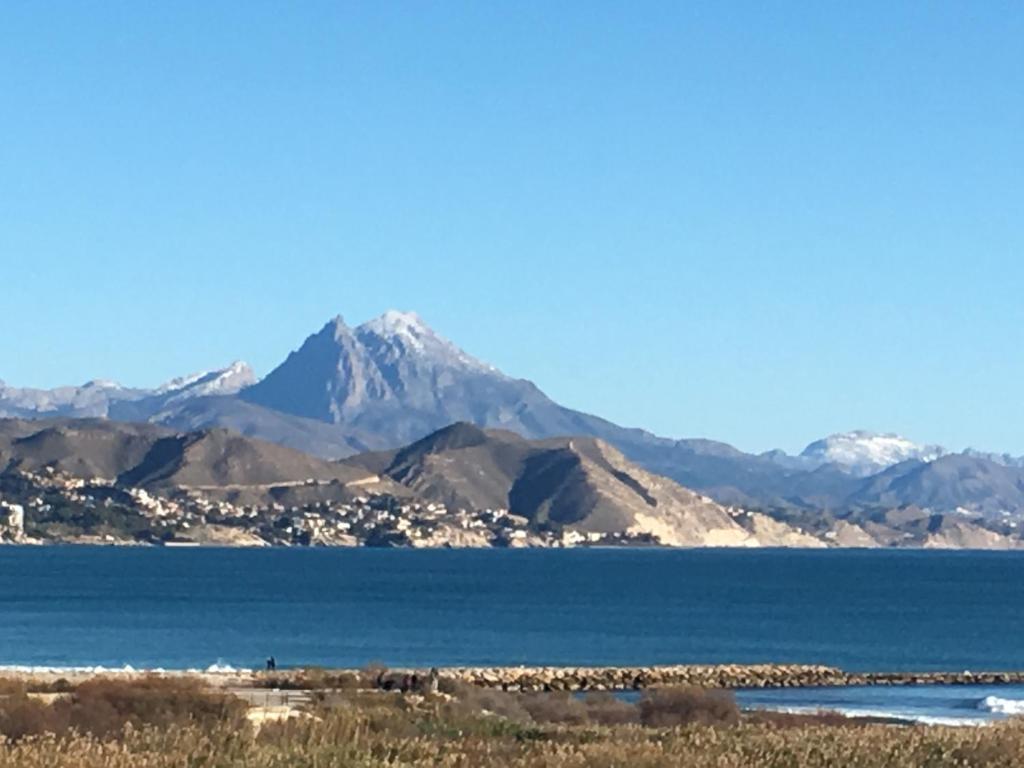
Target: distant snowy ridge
(860,453)
(864,453)
(98,397)
(226,381)
(89,399)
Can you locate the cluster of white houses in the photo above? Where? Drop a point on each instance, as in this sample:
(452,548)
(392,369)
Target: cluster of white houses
(191,517)
(12,522)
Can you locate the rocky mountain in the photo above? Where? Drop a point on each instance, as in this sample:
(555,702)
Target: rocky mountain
(393,380)
(396,379)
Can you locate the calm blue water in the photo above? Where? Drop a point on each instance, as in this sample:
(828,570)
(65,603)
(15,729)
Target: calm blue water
(188,608)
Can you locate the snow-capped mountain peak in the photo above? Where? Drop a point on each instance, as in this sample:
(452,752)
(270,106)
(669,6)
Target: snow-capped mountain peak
(225,381)
(393,364)
(395,321)
(863,453)
(398,334)
(406,327)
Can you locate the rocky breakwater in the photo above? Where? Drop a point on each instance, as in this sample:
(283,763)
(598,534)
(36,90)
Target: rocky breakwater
(706,676)
(965,677)
(636,678)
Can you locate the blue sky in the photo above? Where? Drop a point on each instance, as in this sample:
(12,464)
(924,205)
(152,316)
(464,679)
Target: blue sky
(758,222)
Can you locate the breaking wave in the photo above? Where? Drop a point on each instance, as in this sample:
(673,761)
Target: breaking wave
(887,714)
(1001,706)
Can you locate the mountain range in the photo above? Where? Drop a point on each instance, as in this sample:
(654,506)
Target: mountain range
(578,484)
(393,380)
(89,476)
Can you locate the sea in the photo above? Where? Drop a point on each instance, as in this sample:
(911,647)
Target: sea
(862,610)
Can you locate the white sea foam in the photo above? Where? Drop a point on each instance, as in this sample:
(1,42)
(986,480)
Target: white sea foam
(1001,706)
(27,669)
(218,667)
(888,714)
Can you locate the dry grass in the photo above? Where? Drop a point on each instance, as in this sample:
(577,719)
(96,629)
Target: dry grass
(316,679)
(105,707)
(667,707)
(367,729)
(350,738)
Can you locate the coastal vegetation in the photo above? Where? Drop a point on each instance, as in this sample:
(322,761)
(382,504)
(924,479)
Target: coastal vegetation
(150,722)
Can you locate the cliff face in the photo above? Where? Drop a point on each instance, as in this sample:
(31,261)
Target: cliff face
(578,483)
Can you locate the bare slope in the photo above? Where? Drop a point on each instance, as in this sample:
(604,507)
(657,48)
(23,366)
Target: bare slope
(151,455)
(86,448)
(217,458)
(579,483)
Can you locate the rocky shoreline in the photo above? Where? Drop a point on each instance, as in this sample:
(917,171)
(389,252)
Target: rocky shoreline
(530,679)
(708,676)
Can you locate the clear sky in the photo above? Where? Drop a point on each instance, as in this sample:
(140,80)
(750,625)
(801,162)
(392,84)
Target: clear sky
(760,222)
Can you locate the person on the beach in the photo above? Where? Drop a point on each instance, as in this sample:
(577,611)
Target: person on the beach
(271,664)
